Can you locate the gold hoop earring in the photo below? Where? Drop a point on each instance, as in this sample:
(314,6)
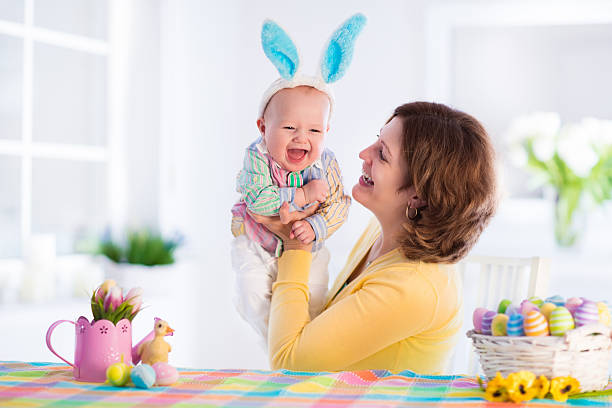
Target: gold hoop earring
(411,212)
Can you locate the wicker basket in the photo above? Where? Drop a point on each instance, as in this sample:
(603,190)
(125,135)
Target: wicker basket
(583,353)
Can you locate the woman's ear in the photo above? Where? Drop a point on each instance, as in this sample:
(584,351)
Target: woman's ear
(413,199)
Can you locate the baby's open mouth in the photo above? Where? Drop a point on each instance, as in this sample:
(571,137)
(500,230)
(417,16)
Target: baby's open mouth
(296,155)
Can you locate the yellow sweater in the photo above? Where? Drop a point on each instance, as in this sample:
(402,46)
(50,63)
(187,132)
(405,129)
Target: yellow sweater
(397,314)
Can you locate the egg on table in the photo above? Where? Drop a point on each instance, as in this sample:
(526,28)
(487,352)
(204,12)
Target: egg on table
(560,321)
(143,376)
(165,374)
(535,324)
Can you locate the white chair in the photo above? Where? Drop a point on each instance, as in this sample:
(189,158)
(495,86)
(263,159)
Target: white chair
(489,279)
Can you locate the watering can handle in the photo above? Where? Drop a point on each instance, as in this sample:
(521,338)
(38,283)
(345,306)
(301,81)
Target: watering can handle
(49,331)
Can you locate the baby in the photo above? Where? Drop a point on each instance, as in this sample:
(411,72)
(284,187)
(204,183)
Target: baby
(288,164)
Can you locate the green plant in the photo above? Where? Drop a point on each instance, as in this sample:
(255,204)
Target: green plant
(574,159)
(142,247)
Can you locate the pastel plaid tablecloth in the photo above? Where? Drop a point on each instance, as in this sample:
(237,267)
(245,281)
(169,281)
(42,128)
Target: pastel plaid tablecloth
(51,385)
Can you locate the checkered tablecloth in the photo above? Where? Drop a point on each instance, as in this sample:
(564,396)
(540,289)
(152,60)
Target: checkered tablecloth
(51,385)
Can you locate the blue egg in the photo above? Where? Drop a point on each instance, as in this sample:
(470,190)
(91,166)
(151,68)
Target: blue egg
(515,325)
(143,376)
(556,300)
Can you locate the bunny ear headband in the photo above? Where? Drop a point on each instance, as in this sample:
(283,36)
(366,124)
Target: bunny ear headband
(281,51)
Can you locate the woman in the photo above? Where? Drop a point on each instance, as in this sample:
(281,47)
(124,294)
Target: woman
(429,180)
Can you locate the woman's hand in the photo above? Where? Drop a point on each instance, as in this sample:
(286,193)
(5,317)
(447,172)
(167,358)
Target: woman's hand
(281,225)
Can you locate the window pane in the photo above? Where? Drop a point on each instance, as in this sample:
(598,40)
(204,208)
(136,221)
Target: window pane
(69,96)
(81,17)
(11,10)
(11,51)
(69,200)
(10,206)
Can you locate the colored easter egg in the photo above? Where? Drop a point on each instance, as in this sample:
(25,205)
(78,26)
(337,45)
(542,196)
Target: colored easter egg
(556,300)
(143,376)
(536,301)
(165,374)
(487,320)
(515,325)
(503,305)
(118,374)
(498,325)
(586,313)
(546,309)
(535,324)
(604,314)
(477,318)
(572,304)
(513,309)
(560,321)
(527,306)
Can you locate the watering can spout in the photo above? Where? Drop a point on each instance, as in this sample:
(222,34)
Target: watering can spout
(135,350)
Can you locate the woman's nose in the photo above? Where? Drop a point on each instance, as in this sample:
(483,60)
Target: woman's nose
(364,154)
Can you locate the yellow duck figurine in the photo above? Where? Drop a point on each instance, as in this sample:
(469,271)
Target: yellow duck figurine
(157,349)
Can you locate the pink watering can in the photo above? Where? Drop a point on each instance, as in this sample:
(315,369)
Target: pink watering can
(98,345)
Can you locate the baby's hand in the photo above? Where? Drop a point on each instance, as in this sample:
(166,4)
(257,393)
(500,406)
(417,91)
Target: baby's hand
(302,230)
(315,191)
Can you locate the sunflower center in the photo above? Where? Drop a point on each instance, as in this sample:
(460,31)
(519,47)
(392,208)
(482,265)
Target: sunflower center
(567,388)
(522,389)
(497,393)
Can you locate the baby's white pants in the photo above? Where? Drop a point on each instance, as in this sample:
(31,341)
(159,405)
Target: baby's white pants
(256,271)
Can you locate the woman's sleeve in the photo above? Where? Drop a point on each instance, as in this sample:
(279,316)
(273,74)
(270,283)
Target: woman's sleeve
(389,307)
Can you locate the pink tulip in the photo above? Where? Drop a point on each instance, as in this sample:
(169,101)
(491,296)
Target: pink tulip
(134,298)
(113,299)
(104,288)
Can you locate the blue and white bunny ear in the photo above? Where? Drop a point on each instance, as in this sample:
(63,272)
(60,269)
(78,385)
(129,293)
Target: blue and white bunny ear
(279,49)
(339,51)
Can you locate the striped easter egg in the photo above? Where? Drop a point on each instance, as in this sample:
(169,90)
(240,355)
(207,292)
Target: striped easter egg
(604,314)
(586,313)
(479,312)
(536,301)
(572,304)
(535,324)
(527,306)
(487,319)
(561,321)
(515,325)
(513,309)
(556,300)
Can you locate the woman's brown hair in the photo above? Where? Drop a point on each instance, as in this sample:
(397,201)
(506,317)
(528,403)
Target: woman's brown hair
(451,164)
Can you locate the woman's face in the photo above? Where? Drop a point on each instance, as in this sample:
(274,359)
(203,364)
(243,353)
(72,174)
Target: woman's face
(383,174)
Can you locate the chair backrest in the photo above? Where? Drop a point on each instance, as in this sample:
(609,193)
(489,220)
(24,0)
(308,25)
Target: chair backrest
(489,279)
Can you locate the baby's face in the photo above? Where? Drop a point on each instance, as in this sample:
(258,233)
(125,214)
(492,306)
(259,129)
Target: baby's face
(294,126)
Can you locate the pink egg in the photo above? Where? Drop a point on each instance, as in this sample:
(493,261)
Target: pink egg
(527,306)
(165,374)
(572,304)
(477,318)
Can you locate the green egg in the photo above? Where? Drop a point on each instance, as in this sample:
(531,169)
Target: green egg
(118,374)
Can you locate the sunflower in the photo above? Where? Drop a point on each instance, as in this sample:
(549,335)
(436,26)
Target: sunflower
(520,386)
(563,387)
(541,385)
(496,389)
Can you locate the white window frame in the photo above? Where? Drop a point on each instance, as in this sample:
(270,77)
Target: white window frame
(442,19)
(111,154)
